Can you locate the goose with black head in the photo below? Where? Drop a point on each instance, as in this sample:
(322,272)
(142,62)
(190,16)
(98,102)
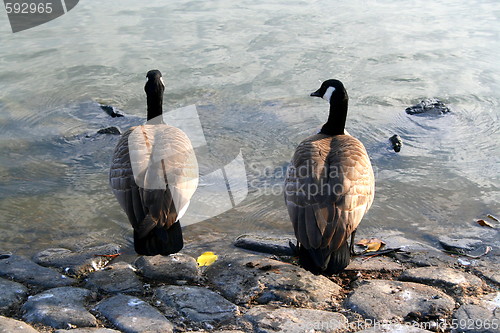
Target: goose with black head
(328,188)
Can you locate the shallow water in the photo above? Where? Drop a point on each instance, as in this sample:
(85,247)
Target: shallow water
(249,68)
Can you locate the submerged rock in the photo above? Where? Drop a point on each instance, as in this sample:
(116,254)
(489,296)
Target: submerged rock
(393,300)
(277,245)
(80,262)
(110,130)
(266,319)
(251,279)
(23,270)
(133,315)
(12,295)
(172,268)
(396,142)
(112,111)
(428,106)
(59,308)
(197,303)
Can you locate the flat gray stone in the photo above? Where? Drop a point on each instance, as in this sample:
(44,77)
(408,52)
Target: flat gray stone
(394,328)
(88,330)
(262,280)
(490,271)
(80,262)
(9,325)
(446,278)
(172,268)
(12,294)
(132,315)
(394,300)
(266,319)
(273,244)
(477,318)
(379,264)
(26,271)
(460,245)
(61,307)
(116,278)
(426,258)
(197,303)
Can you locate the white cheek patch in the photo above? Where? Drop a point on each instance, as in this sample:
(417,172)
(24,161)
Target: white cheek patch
(328,94)
(161,79)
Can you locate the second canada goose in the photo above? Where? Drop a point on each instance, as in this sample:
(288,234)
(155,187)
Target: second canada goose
(328,188)
(153,175)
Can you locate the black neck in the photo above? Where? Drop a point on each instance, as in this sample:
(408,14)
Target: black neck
(336,119)
(155,102)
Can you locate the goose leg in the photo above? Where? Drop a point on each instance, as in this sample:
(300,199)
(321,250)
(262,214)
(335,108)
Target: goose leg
(351,246)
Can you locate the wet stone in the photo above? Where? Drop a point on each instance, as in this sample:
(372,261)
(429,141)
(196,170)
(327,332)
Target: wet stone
(277,245)
(116,278)
(394,328)
(80,262)
(172,268)
(428,106)
(447,278)
(477,318)
(9,325)
(245,280)
(379,264)
(88,330)
(197,303)
(424,259)
(266,319)
(132,315)
(59,308)
(26,271)
(12,294)
(393,300)
(461,245)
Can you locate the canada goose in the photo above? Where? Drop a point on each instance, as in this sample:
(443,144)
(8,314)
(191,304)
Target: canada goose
(328,188)
(153,175)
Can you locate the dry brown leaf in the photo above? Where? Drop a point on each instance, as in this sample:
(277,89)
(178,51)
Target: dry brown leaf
(372,244)
(483,223)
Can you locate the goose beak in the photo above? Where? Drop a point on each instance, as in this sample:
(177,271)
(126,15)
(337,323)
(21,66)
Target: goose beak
(316,94)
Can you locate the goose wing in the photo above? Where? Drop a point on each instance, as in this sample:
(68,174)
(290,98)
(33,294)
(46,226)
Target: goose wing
(153,175)
(328,189)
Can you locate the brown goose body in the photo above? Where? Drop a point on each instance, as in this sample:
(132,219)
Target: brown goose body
(154,174)
(328,189)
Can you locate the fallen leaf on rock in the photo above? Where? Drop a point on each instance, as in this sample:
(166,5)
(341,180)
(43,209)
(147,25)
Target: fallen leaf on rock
(483,223)
(372,244)
(206,259)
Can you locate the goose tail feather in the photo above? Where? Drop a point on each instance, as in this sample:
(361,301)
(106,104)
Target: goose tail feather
(339,259)
(160,241)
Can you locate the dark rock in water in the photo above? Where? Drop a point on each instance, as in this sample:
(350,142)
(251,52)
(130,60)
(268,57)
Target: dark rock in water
(11,325)
(110,130)
(59,308)
(112,111)
(278,245)
(80,262)
(13,294)
(428,106)
(396,142)
(132,315)
(197,303)
(116,278)
(266,319)
(23,270)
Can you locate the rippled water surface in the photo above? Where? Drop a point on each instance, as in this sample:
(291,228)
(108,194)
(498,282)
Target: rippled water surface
(249,67)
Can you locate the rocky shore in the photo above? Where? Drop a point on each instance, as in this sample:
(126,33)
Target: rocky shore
(415,288)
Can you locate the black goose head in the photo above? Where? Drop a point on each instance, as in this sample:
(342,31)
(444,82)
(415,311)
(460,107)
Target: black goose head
(154,89)
(334,92)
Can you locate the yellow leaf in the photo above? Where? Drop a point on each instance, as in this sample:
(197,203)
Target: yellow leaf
(372,244)
(207,259)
